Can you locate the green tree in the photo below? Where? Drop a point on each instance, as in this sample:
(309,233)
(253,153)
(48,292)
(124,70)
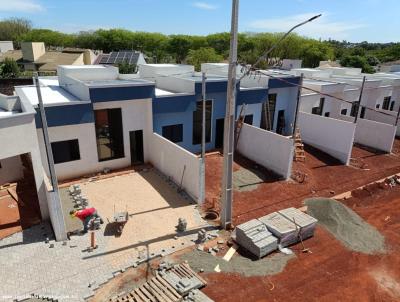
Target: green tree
(12,29)
(126,68)
(9,69)
(49,37)
(357,62)
(179,46)
(203,55)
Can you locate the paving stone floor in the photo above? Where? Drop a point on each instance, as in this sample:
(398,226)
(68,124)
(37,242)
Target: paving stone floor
(30,266)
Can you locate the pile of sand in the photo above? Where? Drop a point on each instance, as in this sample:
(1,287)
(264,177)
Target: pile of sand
(346,225)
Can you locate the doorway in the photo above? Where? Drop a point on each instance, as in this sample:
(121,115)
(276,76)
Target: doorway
(281,122)
(219,136)
(136,142)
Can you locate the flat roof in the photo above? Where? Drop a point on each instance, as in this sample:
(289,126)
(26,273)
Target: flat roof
(5,113)
(52,94)
(117,83)
(198,78)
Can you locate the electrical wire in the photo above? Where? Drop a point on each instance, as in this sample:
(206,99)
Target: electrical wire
(324,94)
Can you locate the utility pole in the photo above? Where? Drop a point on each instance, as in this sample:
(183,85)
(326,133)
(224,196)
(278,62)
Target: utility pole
(297,104)
(397,117)
(227,177)
(359,100)
(203,124)
(203,141)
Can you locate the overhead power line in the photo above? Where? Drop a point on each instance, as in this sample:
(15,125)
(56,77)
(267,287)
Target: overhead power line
(321,93)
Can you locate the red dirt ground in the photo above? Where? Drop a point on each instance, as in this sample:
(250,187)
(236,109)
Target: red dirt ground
(14,216)
(331,272)
(325,177)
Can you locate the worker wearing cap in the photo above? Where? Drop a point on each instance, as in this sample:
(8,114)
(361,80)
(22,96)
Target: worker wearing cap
(86,215)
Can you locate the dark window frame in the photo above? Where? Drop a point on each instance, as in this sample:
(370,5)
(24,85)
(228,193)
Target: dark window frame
(343,111)
(392,105)
(198,120)
(173,133)
(386,102)
(249,119)
(65,151)
(110,133)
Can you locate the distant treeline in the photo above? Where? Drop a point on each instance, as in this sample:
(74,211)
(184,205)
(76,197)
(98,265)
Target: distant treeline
(160,48)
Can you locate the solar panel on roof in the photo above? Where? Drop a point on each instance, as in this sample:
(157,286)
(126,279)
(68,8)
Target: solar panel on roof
(104,59)
(116,57)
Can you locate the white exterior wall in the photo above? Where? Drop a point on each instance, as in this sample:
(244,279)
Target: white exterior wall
(136,115)
(11,169)
(171,160)
(6,46)
(332,136)
(87,72)
(376,135)
(18,134)
(271,150)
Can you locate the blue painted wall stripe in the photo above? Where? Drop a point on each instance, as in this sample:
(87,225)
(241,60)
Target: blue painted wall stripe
(121,93)
(66,115)
(251,96)
(172,104)
(287,82)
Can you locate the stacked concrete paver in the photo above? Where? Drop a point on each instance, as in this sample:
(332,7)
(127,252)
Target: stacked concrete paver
(261,236)
(305,222)
(254,236)
(282,228)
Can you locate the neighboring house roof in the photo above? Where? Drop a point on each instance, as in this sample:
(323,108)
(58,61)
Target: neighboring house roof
(16,55)
(116,57)
(391,63)
(50,60)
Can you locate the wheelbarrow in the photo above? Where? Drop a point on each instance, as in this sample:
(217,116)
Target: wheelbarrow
(120,219)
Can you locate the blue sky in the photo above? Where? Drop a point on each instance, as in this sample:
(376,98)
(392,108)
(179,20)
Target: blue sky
(352,20)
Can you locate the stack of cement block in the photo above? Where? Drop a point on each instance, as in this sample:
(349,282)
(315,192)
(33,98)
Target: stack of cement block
(281,227)
(305,223)
(254,237)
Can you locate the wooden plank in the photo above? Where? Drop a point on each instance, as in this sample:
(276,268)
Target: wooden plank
(167,285)
(160,293)
(229,254)
(136,296)
(153,292)
(141,295)
(164,290)
(14,195)
(197,275)
(148,294)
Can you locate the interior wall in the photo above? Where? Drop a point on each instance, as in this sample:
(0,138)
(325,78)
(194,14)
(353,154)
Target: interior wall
(11,169)
(376,135)
(271,150)
(334,137)
(172,160)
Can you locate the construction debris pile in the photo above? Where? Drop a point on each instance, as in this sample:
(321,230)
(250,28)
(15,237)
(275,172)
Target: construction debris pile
(171,283)
(286,227)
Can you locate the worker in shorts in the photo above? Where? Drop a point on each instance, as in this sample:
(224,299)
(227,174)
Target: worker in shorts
(86,215)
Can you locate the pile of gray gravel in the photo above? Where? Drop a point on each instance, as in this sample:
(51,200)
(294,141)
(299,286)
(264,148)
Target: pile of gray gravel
(269,265)
(346,225)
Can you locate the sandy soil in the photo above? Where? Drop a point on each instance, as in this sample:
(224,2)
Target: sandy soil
(15,217)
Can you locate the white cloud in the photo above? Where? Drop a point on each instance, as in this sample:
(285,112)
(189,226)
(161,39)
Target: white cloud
(321,28)
(204,5)
(26,6)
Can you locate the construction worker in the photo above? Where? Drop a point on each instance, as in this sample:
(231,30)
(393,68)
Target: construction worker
(87,216)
